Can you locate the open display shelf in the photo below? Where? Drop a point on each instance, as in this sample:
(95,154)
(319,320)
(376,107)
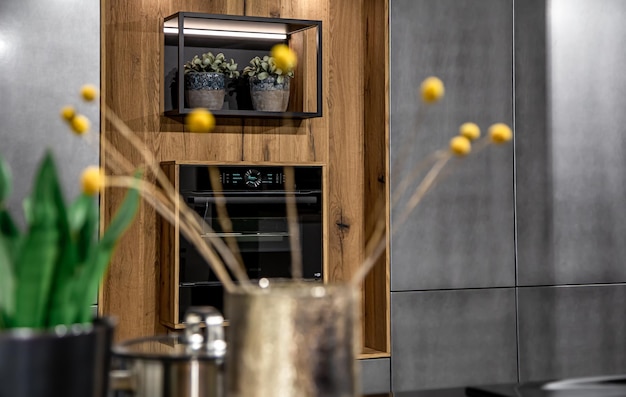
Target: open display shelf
(242,38)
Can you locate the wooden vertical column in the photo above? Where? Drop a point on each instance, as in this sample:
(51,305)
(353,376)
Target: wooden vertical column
(376,143)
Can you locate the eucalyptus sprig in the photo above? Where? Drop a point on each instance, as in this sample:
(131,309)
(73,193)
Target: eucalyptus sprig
(50,272)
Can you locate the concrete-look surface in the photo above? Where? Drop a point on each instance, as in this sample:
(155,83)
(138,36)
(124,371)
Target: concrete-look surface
(48,50)
(461,234)
(571,331)
(453,338)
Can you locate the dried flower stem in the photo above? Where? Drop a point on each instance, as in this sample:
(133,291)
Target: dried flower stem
(292,219)
(415,172)
(188,217)
(423,188)
(158,200)
(377,243)
(226,224)
(407,146)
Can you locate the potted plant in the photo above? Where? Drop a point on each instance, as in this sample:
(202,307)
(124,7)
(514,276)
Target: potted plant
(49,276)
(205,80)
(269,85)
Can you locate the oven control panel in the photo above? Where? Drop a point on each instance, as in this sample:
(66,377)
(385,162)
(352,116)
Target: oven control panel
(253,178)
(250,178)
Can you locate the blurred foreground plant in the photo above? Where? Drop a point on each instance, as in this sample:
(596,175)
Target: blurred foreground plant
(50,272)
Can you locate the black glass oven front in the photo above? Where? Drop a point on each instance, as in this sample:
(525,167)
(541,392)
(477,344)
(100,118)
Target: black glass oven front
(255,201)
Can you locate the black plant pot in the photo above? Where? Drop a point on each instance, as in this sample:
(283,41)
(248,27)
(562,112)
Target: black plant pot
(70,364)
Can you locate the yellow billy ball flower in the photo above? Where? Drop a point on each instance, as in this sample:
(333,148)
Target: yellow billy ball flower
(432,89)
(80,124)
(460,145)
(500,133)
(284,57)
(200,120)
(89,92)
(92,180)
(68,113)
(469,130)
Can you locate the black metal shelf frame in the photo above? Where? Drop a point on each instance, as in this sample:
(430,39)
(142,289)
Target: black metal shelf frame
(181,36)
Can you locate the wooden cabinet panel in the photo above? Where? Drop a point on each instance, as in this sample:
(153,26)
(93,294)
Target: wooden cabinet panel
(351,133)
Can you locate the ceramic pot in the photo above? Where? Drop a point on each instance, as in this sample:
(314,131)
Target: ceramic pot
(269,95)
(293,339)
(205,90)
(66,361)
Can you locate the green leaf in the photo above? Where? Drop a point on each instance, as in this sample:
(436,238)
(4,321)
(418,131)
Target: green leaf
(5,181)
(7,285)
(83,222)
(9,241)
(96,266)
(35,263)
(262,75)
(27,206)
(10,234)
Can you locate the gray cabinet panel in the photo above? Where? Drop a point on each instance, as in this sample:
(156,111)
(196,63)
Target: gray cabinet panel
(461,234)
(571,331)
(452,338)
(375,375)
(533,194)
(571,182)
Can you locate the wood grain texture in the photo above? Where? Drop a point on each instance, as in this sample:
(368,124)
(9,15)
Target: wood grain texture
(131,86)
(345,154)
(132,74)
(376,297)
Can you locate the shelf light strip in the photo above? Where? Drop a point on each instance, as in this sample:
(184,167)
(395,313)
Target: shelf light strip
(227,33)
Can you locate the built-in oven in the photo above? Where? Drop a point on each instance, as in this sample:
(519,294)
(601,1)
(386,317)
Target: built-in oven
(255,198)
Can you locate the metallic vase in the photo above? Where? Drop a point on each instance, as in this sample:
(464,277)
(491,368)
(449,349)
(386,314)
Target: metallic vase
(293,339)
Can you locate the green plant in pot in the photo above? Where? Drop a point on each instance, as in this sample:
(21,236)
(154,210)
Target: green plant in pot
(205,80)
(49,276)
(269,84)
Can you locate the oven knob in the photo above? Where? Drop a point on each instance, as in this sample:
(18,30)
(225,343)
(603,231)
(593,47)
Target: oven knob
(252,178)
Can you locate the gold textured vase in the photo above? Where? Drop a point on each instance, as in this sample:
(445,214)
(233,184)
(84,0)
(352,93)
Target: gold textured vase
(288,338)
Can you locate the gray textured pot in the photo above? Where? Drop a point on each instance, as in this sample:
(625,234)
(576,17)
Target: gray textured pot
(205,90)
(268,95)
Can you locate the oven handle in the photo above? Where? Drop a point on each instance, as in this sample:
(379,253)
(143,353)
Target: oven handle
(253,200)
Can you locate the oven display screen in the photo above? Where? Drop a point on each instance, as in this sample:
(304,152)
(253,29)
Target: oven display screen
(253,178)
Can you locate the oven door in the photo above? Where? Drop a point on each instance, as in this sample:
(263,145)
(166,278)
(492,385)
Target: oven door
(260,228)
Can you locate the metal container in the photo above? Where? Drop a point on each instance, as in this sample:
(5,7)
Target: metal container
(186,365)
(293,338)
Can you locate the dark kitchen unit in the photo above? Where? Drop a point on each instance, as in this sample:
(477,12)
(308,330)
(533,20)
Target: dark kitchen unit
(255,201)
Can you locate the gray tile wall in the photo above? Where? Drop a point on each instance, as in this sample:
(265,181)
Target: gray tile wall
(511,271)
